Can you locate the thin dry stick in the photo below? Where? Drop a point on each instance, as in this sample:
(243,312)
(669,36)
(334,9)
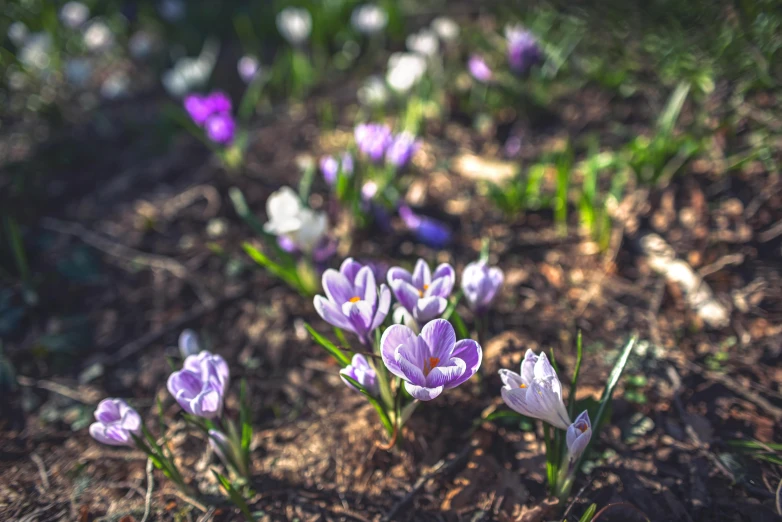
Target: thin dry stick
(150,486)
(54,387)
(41,469)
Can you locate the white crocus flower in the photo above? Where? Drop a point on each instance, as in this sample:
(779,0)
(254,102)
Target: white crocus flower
(373,93)
(536,392)
(404,71)
(289,218)
(73,14)
(188,74)
(446,28)
(369,19)
(423,42)
(294,24)
(98,36)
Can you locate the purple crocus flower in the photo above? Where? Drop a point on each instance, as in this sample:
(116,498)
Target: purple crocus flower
(117,423)
(220,128)
(347,164)
(428,231)
(199,387)
(329,167)
(188,343)
(480,284)
(198,107)
(353,301)
(423,294)
(479,69)
(578,435)
(431,362)
(523,49)
(401,149)
(360,371)
(373,139)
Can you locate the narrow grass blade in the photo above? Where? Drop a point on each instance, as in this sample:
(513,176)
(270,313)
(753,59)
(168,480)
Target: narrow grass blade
(574,383)
(286,274)
(17,247)
(330,347)
(244,418)
(589,514)
(452,305)
(613,380)
(458,324)
(235,496)
(384,418)
(672,109)
(244,212)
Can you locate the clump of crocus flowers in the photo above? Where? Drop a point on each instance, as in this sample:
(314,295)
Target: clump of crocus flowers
(212,112)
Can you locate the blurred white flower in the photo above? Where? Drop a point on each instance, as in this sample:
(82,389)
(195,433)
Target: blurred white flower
(248,67)
(369,19)
(294,24)
(289,218)
(34,53)
(405,70)
(115,86)
(446,28)
(189,73)
(73,14)
(373,93)
(141,44)
(17,33)
(423,42)
(78,71)
(172,10)
(98,36)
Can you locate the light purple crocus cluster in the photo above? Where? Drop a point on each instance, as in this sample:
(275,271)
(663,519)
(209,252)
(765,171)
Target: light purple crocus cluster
(432,361)
(523,49)
(353,301)
(376,141)
(200,386)
(330,167)
(423,294)
(213,113)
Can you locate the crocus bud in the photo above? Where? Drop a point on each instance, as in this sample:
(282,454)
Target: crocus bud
(428,231)
(188,343)
(479,69)
(360,371)
(329,167)
(401,149)
(535,392)
(372,139)
(116,424)
(248,68)
(480,284)
(578,435)
(523,49)
(220,445)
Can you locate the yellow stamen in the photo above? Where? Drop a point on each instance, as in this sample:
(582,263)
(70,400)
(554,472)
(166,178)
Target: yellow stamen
(355,299)
(421,292)
(582,427)
(522,385)
(431,363)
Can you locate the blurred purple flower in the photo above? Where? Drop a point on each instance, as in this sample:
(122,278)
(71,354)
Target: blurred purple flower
(428,231)
(523,49)
(188,343)
(117,423)
(480,284)
(220,128)
(512,146)
(323,251)
(329,167)
(479,69)
(200,107)
(347,164)
(372,139)
(578,435)
(220,445)
(424,294)
(199,387)
(360,371)
(287,244)
(431,362)
(248,68)
(401,148)
(353,301)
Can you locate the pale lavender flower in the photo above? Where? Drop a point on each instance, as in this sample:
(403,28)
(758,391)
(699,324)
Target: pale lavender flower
(578,435)
(200,108)
(353,301)
(480,284)
(479,69)
(117,423)
(424,294)
(199,387)
(400,149)
(536,392)
(248,68)
(329,167)
(523,49)
(188,343)
(428,231)
(347,164)
(220,128)
(360,371)
(373,139)
(431,362)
